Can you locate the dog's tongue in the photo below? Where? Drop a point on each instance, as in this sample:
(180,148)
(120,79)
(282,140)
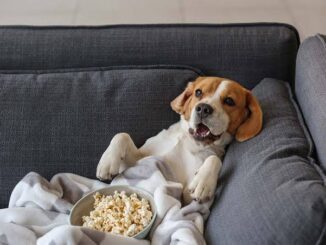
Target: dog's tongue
(202,130)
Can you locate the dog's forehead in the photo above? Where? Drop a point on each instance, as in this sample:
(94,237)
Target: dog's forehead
(208,84)
(223,87)
(229,87)
(216,87)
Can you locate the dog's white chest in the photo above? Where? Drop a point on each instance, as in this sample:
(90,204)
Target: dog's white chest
(182,153)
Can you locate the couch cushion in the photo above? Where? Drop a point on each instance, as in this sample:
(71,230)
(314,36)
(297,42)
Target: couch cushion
(310,90)
(62,121)
(270,190)
(244,52)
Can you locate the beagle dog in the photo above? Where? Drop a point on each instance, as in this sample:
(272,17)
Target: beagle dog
(213,111)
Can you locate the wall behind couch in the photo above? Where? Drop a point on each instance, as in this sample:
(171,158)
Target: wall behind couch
(308,16)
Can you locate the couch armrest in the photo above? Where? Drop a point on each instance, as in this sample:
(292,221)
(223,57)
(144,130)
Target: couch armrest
(310,89)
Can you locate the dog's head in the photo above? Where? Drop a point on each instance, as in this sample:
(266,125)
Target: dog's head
(212,106)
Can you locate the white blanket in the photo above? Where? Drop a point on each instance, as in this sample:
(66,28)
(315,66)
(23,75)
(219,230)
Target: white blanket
(39,209)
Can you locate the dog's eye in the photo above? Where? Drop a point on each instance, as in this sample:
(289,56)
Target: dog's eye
(229,101)
(198,92)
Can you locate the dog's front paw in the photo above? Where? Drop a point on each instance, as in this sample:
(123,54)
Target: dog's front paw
(202,187)
(108,166)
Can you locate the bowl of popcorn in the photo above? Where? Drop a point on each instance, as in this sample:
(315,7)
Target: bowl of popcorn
(121,210)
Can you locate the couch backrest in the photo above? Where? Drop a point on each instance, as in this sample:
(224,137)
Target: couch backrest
(245,52)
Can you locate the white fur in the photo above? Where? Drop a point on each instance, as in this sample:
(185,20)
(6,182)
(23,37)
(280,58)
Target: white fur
(195,165)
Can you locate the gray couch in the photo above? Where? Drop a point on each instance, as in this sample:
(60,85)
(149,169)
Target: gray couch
(65,91)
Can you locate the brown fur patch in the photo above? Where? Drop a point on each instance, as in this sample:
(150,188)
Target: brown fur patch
(238,112)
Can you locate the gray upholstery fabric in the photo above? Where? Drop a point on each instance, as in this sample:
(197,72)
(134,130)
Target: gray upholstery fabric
(311,90)
(270,190)
(244,52)
(63,121)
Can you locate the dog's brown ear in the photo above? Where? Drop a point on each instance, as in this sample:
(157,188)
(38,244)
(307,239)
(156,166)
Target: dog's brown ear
(254,122)
(179,103)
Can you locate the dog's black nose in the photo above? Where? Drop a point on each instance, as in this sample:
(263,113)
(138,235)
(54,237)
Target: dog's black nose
(203,110)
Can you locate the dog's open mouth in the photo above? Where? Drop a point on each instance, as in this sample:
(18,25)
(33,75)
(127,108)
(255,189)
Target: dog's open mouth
(202,132)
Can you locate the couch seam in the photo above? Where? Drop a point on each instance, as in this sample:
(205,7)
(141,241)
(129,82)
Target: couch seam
(311,147)
(106,68)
